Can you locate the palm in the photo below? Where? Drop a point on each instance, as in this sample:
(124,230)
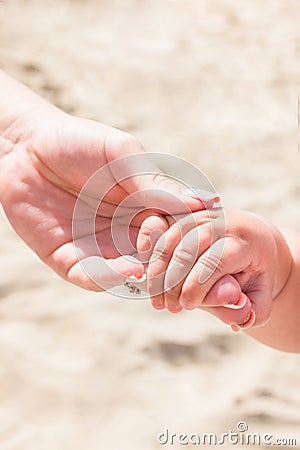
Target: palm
(47,171)
(42,194)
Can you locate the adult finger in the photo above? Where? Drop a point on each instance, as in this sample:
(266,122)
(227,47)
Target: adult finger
(93,263)
(98,274)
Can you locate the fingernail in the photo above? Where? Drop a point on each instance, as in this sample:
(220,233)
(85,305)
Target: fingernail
(249,321)
(239,305)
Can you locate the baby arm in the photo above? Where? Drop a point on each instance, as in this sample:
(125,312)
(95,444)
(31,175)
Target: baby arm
(253,266)
(282,330)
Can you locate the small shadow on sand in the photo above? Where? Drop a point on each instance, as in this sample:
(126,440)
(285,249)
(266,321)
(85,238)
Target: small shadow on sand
(6,289)
(209,350)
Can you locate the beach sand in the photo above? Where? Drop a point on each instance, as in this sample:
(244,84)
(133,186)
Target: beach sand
(215,82)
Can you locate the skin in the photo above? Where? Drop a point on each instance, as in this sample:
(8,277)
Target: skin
(46,157)
(253,265)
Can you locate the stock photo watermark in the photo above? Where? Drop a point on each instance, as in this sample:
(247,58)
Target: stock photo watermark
(240,436)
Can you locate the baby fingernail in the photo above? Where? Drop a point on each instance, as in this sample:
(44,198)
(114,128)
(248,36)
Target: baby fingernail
(249,321)
(239,305)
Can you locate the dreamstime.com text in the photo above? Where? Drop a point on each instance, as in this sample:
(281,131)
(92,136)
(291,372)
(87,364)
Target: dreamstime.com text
(239,437)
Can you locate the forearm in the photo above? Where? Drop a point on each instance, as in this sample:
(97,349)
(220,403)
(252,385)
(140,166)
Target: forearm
(20,111)
(18,104)
(283,331)
(18,100)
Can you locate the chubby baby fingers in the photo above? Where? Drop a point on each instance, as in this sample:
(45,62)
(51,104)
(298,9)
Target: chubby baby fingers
(151,230)
(224,257)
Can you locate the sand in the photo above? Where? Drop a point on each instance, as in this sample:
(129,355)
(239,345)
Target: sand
(216,82)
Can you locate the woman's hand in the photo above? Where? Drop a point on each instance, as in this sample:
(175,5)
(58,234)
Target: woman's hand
(46,158)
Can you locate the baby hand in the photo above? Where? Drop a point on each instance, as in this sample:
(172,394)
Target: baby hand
(195,264)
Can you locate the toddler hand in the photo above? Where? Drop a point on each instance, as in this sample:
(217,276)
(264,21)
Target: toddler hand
(195,265)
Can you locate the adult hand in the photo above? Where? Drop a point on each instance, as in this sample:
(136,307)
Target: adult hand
(46,158)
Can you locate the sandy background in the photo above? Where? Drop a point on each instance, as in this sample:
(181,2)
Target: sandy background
(216,82)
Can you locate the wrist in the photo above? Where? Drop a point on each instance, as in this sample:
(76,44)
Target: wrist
(20,111)
(282,330)
(283,259)
(274,245)
(288,237)
(18,106)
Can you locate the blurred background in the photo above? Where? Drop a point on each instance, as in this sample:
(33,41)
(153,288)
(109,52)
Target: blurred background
(215,82)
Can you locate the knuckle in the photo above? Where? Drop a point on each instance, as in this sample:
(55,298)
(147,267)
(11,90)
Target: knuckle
(211,263)
(184,256)
(161,252)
